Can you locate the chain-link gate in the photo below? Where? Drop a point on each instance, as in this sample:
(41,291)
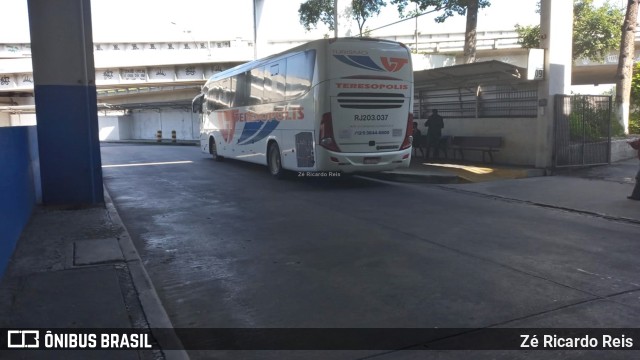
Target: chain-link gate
(582,130)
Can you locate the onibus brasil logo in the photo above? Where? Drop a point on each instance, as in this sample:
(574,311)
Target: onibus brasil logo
(70,339)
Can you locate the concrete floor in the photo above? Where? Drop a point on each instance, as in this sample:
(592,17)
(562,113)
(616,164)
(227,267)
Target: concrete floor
(228,246)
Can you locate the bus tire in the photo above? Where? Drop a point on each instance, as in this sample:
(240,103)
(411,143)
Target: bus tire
(213,150)
(274,161)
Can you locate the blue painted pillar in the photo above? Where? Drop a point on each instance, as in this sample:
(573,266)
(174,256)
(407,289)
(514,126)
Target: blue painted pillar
(66,104)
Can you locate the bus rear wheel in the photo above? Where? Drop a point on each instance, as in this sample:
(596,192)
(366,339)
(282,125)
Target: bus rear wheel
(274,162)
(213,150)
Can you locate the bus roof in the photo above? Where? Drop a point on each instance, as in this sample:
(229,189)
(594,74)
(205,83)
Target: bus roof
(314,44)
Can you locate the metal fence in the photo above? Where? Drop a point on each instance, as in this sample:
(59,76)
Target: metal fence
(489,101)
(582,130)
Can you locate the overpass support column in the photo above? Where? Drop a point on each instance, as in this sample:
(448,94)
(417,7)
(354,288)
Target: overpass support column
(66,104)
(556,29)
(259,26)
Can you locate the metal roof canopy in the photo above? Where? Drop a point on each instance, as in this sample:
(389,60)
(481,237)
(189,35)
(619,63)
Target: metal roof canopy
(468,75)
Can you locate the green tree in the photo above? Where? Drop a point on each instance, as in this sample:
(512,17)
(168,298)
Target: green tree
(625,71)
(448,8)
(528,36)
(361,10)
(634,117)
(596,30)
(312,12)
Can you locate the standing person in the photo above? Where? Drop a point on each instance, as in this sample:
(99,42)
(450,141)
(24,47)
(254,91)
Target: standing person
(434,125)
(635,195)
(417,138)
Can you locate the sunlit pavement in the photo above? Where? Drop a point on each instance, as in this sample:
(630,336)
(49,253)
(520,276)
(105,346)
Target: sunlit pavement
(447,171)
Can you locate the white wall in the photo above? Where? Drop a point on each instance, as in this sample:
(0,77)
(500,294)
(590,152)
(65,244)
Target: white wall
(432,61)
(145,124)
(114,127)
(23,119)
(518,137)
(5,119)
(109,128)
(620,150)
(125,125)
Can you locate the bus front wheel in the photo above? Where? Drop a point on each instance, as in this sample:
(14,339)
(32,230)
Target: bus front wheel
(213,150)
(274,162)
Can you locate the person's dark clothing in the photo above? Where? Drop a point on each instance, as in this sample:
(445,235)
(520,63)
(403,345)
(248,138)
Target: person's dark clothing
(635,195)
(434,125)
(417,140)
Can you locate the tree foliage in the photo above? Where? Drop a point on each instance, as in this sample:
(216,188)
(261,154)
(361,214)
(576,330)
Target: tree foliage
(361,10)
(312,12)
(596,30)
(635,86)
(634,118)
(624,72)
(447,8)
(528,36)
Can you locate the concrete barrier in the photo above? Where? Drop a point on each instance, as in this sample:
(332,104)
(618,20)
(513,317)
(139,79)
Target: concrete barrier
(620,150)
(18,194)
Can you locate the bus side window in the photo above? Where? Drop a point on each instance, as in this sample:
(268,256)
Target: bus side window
(197,105)
(211,100)
(226,93)
(281,80)
(241,90)
(257,86)
(219,95)
(274,81)
(299,74)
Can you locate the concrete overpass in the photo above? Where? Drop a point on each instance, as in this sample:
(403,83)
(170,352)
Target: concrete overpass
(127,70)
(503,46)
(135,65)
(148,76)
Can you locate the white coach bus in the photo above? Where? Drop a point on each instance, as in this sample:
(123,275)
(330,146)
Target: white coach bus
(329,105)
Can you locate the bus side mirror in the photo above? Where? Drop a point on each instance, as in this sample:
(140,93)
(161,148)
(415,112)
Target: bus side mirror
(196,104)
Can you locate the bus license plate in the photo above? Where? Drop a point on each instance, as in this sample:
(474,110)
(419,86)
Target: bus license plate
(371,160)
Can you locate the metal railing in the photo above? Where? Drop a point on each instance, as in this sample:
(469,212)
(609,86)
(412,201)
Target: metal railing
(582,130)
(493,101)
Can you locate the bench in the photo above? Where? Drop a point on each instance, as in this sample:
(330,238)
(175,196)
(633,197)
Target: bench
(486,144)
(443,144)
